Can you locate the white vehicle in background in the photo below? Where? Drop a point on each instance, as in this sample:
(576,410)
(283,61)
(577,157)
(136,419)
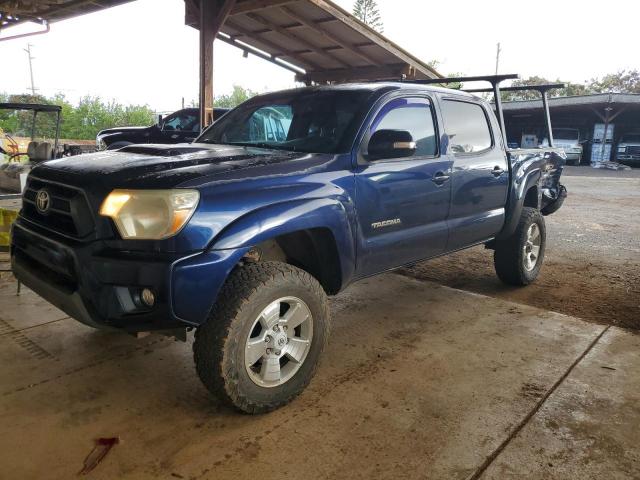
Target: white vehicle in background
(628,150)
(569,140)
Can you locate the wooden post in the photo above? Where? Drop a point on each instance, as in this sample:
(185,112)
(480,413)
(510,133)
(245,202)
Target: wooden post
(213,14)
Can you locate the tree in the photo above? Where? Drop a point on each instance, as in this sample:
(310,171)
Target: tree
(235,98)
(367,12)
(621,82)
(570,89)
(81,122)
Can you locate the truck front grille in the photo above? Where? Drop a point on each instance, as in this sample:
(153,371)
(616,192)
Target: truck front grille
(633,150)
(68,211)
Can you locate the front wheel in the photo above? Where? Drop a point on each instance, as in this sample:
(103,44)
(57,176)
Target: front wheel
(518,259)
(261,344)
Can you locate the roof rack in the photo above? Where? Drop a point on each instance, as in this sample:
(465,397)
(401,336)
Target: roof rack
(495,81)
(541,89)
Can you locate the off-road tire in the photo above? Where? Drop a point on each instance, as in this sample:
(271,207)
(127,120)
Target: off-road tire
(219,343)
(508,256)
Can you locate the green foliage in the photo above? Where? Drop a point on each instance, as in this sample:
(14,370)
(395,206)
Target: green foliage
(621,82)
(569,90)
(367,12)
(81,122)
(235,98)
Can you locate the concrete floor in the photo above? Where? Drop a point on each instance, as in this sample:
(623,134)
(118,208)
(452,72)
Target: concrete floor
(418,381)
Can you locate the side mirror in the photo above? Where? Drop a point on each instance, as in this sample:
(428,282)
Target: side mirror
(159,123)
(391,144)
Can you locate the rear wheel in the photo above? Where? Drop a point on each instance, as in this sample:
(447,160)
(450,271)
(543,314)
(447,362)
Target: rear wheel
(261,345)
(518,259)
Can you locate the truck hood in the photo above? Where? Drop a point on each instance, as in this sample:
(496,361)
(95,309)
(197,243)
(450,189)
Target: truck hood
(111,131)
(169,166)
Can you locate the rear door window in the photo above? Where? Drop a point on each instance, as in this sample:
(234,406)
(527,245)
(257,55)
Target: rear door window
(467,126)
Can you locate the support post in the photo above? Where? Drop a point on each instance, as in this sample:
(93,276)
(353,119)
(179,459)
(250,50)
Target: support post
(499,112)
(55,145)
(547,116)
(603,148)
(213,14)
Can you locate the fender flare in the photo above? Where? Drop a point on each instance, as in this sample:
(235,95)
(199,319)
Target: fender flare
(516,201)
(278,219)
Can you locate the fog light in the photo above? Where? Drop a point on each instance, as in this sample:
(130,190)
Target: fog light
(148,298)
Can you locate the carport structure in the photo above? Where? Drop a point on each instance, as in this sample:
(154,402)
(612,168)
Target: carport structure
(618,113)
(315,39)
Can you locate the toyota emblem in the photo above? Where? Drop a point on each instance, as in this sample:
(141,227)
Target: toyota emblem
(43,201)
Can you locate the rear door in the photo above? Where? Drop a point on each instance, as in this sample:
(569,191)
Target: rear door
(480,178)
(402,203)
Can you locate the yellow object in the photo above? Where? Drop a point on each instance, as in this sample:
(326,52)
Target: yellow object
(7,217)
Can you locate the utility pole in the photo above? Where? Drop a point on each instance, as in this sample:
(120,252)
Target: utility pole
(31,58)
(498,50)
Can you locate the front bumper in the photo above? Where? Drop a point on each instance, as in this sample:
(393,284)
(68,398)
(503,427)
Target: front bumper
(100,288)
(573,157)
(628,159)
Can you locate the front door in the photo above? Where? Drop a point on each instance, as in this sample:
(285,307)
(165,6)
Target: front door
(402,203)
(480,178)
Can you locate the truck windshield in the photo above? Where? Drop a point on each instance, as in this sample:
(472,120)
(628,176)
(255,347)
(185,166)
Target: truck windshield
(631,138)
(566,134)
(310,121)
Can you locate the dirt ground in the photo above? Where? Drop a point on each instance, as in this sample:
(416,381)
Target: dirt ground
(592,262)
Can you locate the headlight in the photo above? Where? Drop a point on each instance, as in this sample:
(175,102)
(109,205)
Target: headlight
(100,145)
(622,149)
(150,214)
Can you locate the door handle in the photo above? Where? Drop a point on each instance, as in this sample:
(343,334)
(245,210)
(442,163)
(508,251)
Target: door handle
(439,178)
(497,171)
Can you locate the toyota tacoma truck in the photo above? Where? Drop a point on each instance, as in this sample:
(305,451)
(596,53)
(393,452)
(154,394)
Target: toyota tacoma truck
(243,234)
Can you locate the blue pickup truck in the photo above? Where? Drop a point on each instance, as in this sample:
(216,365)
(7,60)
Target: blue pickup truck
(288,198)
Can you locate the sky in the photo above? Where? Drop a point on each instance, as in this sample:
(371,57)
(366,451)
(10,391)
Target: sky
(155,62)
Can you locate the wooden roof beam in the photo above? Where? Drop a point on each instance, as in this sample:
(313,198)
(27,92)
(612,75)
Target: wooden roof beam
(277,50)
(320,31)
(257,5)
(388,72)
(296,38)
(374,36)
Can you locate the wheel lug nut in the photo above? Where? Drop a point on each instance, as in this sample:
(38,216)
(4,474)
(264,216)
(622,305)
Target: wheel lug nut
(276,328)
(278,352)
(269,351)
(285,328)
(267,339)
